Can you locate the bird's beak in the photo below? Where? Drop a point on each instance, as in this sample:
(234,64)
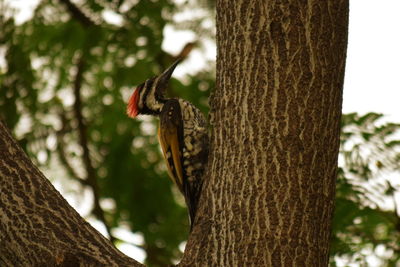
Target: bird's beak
(166,75)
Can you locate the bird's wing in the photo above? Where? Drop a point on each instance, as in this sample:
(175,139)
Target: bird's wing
(170,135)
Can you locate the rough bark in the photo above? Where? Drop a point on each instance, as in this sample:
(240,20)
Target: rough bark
(276,112)
(37,226)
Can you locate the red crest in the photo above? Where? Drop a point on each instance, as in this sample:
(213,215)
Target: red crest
(133,108)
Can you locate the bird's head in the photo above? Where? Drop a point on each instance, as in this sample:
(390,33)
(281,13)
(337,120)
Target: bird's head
(148,97)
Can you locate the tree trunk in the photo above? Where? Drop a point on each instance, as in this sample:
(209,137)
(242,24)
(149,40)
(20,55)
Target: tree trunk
(276,112)
(37,226)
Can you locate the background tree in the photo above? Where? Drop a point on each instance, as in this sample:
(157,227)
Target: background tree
(67,74)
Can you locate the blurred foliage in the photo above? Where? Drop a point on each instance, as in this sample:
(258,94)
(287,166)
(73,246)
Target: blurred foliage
(69,52)
(367,219)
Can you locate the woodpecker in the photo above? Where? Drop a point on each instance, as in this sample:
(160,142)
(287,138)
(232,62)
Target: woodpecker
(182,133)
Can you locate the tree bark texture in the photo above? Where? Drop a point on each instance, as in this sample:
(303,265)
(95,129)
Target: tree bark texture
(269,195)
(37,226)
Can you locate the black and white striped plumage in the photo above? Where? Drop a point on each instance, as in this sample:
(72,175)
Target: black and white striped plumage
(182,133)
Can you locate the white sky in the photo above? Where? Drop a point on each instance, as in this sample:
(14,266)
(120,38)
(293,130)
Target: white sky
(372,80)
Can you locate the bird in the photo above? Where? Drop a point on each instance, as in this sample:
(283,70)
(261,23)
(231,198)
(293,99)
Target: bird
(182,134)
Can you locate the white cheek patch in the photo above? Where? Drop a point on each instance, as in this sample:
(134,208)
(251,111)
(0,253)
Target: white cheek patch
(141,94)
(151,101)
(147,96)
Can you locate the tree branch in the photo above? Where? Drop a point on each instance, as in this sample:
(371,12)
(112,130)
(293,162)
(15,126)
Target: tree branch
(91,177)
(37,226)
(78,14)
(62,154)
